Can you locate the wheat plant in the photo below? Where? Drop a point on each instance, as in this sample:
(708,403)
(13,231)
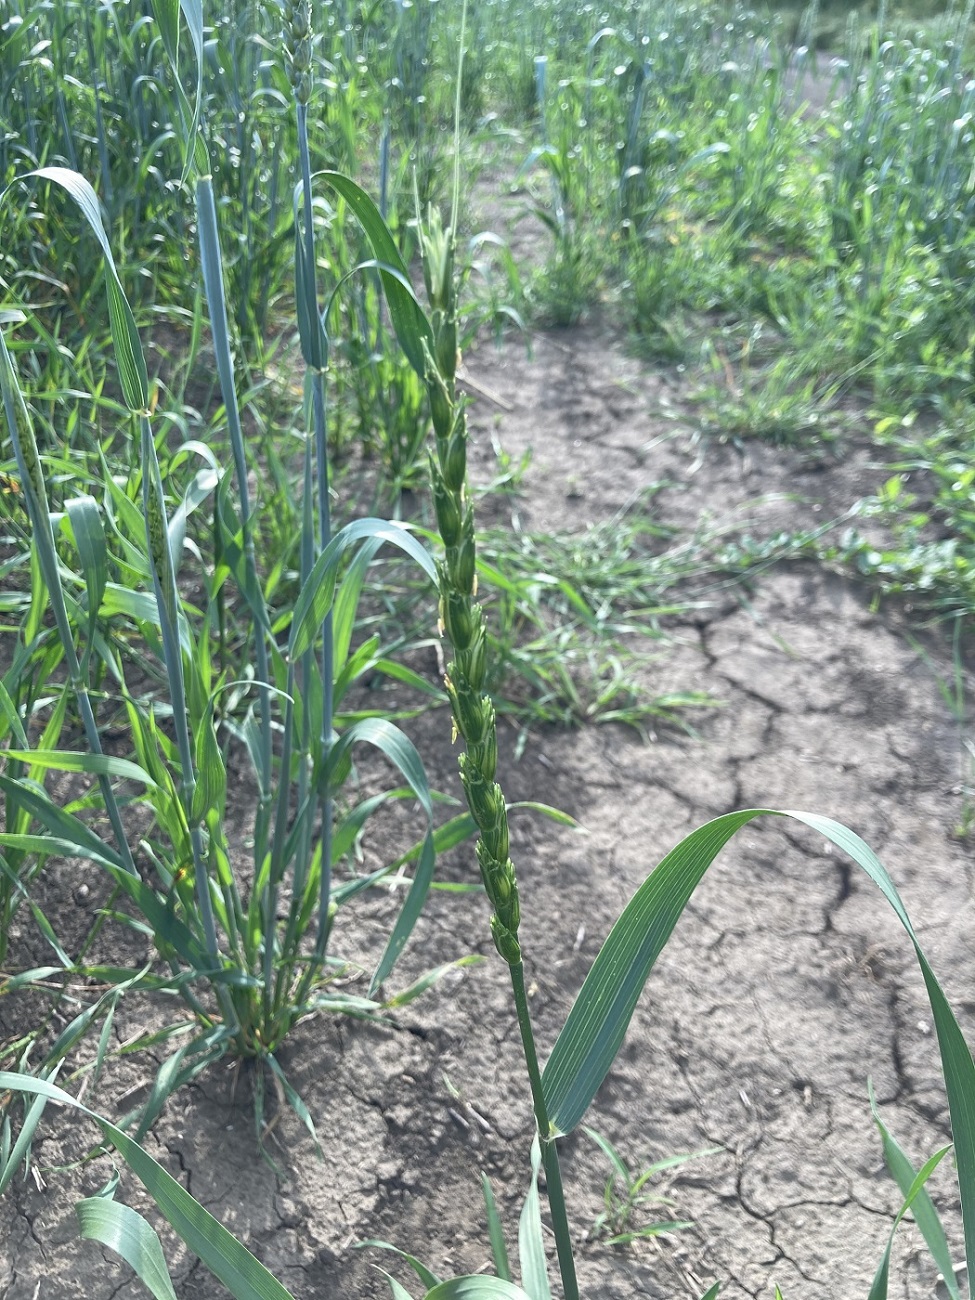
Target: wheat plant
(248,952)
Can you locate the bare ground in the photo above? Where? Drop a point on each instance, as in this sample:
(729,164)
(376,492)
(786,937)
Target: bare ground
(787,984)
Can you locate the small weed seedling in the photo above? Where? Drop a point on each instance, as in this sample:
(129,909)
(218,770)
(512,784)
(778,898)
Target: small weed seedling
(626,1197)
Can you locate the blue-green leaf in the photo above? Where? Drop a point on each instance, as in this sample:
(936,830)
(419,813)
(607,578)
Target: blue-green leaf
(531,1242)
(477,1288)
(315,599)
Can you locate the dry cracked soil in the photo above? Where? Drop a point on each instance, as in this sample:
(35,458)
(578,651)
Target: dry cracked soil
(787,984)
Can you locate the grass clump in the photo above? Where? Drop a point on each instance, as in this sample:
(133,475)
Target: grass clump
(246,949)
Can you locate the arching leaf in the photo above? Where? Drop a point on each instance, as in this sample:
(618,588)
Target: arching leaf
(597,1022)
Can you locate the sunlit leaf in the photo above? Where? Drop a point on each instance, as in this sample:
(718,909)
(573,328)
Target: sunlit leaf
(126,1232)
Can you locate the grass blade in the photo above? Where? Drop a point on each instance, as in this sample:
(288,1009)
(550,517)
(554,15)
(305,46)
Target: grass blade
(427,981)
(227,1259)
(89,537)
(477,1288)
(128,349)
(67,760)
(315,599)
(879,1289)
(597,1022)
(24,1139)
(531,1243)
(126,1232)
(499,1249)
(409,914)
(396,746)
(409,322)
(925,1215)
(399,1291)
(419,1268)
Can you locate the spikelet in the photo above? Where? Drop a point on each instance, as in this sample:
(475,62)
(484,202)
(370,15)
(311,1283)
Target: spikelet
(297,46)
(461,618)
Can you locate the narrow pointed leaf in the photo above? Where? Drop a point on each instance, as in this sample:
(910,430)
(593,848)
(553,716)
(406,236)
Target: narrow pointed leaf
(409,322)
(347,602)
(24,1139)
(67,760)
(126,1232)
(428,1278)
(597,1022)
(396,746)
(879,1289)
(51,845)
(925,1215)
(228,1260)
(166,13)
(428,979)
(409,914)
(60,823)
(311,327)
(211,774)
(477,1288)
(89,537)
(401,751)
(499,1249)
(315,599)
(399,1291)
(296,1102)
(8,710)
(128,349)
(531,1242)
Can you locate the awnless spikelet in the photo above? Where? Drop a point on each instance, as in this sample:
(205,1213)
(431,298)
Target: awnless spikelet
(461,617)
(297,46)
(462,623)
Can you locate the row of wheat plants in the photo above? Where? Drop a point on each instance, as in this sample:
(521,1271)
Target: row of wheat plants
(160,573)
(687,173)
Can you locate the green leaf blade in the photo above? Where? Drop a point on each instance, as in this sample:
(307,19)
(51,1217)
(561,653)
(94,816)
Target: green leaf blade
(925,1215)
(477,1288)
(531,1241)
(133,374)
(228,1260)
(411,325)
(597,1023)
(123,1230)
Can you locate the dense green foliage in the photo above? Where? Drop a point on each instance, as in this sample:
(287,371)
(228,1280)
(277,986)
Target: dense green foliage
(668,150)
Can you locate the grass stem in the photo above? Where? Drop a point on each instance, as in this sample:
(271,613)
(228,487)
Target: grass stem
(550,1154)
